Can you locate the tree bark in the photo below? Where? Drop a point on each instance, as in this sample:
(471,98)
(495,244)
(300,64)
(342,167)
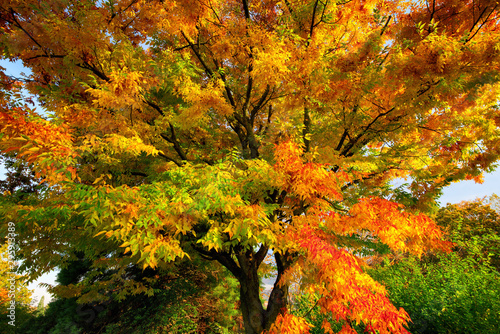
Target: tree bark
(256,319)
(278,299)
(251,306)
(244,265)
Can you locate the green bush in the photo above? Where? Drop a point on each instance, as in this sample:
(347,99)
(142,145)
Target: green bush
(446,294)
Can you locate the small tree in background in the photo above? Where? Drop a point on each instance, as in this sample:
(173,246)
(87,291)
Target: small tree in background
(476,221)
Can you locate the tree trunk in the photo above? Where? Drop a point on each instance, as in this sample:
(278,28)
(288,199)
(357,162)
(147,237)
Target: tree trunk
(251,305)
(256,319)
(277,303)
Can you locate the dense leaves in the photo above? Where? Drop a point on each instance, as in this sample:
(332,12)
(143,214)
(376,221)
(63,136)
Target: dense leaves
(457,292)
(230,130)
(453,295)
(443,293)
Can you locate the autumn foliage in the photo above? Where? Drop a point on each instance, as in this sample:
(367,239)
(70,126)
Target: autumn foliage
(237,129)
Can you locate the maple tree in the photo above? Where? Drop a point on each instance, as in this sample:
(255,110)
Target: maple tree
(235,130)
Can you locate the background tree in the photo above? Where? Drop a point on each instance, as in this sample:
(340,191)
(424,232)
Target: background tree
(474,221)
(233,129)
(450,295)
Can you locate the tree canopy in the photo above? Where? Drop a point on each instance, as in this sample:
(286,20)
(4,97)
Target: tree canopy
(239,129)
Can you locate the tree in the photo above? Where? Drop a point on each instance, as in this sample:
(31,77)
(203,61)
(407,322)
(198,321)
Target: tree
(473,220)
(233,129)
(469,218)
(442,293)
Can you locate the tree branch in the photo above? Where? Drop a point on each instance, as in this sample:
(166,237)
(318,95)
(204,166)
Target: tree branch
(155,107)
(46,56)
(198,55)
(223,258)
(93,69)
(13,13)
(306,130)
(245,9)
(170,159)
(228,91)
(370,176)
(341,141)
(385,26)
(261,254)
(311,29)
(259,104)
(482,24)
(173,140)
(353,142)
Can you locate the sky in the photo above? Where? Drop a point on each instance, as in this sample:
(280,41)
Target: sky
(455,193)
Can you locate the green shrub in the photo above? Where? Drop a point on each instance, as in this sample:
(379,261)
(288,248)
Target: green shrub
(448,294)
